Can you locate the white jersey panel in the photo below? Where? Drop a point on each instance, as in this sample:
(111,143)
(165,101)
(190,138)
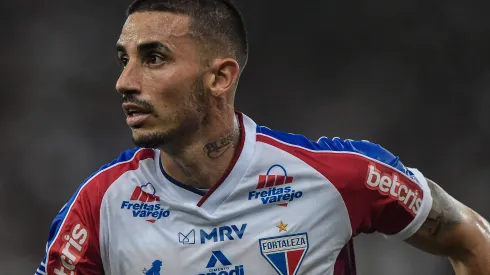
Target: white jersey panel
(281,217)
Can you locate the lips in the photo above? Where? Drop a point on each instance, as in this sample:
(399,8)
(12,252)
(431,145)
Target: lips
(132,109)
(135,114)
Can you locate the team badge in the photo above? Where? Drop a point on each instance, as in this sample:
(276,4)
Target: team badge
(285,253)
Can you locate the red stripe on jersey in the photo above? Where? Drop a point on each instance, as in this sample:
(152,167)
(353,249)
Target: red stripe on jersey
(232,162)
(75,249)
(363,185)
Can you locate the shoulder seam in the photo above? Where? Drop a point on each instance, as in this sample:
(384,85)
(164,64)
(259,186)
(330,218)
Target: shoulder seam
(331,152)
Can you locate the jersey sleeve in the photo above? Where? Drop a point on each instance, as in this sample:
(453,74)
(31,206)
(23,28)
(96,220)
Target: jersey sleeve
(380,193)
(73,242)
(73,246)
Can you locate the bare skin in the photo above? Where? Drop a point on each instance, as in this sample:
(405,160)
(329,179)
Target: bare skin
(454,230)
(187,106)
(200,132)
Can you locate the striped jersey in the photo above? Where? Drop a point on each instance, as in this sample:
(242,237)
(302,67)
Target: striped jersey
(286,205)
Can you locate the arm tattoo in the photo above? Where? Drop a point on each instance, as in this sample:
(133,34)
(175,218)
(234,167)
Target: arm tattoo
(218,148)
(445,215)
(445,212)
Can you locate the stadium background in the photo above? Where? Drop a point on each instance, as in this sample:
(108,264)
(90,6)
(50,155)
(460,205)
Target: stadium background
(411,75)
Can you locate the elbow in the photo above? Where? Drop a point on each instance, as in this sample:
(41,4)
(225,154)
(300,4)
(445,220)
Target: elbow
(472,250)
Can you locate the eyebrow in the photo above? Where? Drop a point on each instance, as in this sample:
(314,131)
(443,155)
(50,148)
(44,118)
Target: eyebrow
(146,46)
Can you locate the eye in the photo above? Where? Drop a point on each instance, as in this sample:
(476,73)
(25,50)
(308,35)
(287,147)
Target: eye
(155,59)
(123,60)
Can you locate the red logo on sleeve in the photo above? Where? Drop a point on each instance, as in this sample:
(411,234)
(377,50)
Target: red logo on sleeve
(389,184)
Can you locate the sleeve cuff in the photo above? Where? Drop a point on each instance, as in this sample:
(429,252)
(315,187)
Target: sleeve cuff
(423,213)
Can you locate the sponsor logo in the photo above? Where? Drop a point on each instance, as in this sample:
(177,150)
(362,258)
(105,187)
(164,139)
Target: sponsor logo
(271,188)
(143,203)
(285,253)
(391,185)
(72,250)
(226,268)
(222,233)
(156,266)
(189,238)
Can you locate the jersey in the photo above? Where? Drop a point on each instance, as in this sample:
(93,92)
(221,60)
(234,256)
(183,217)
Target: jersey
(286,205)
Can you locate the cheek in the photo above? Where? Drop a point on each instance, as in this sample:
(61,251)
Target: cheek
(172,100)
(172,88)
(166,89)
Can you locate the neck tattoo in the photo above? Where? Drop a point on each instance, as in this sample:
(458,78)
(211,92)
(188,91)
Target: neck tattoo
(217,148)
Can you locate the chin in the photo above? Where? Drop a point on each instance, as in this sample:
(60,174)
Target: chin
(150,140)
(171,136)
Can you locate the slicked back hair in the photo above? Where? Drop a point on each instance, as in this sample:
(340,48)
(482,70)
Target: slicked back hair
(217,24)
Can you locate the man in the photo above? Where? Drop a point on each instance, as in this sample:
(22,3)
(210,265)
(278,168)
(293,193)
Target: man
(210,192)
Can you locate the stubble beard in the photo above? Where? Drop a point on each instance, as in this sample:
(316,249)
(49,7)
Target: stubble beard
(192,115)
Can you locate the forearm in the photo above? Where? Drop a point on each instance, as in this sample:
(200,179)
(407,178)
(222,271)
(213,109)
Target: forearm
(473,255)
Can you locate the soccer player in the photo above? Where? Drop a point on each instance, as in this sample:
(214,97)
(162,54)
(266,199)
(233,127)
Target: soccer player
(208,191)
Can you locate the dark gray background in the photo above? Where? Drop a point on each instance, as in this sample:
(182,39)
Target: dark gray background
(411,75)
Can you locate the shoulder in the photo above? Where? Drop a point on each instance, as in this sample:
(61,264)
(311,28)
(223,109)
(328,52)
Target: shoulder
(330,149)
(86,200)
(98,182)
(380,193)
(80,218)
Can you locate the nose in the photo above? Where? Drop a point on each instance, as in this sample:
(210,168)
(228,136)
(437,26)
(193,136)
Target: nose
(129,80)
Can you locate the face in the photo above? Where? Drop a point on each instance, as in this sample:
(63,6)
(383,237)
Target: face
(161,82)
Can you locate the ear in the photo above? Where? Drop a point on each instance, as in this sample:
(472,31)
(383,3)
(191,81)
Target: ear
(223,76)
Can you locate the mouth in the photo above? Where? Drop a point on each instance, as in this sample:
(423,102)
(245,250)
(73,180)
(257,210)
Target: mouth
(131,109)
(135,114)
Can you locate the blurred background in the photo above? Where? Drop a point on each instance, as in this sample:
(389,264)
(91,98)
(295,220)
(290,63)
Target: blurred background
(413,76)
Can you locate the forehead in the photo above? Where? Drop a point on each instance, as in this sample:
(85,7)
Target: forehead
(169,28)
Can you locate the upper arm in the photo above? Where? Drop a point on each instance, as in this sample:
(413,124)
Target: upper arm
(452,229)
(73,242)
(380,193)
(436,235)
(436,223)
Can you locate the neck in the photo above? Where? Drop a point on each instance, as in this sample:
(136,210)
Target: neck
(203,160)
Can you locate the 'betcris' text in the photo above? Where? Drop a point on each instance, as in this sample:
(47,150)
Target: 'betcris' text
(71,250)
(390,185)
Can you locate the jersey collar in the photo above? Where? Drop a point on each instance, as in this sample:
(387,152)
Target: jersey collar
(221,190)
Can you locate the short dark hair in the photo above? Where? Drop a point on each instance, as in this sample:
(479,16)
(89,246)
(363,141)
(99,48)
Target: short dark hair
(218,24)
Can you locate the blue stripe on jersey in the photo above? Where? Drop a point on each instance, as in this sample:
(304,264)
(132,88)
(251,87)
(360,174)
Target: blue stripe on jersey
(42,267)
(58,220)
(363,147)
